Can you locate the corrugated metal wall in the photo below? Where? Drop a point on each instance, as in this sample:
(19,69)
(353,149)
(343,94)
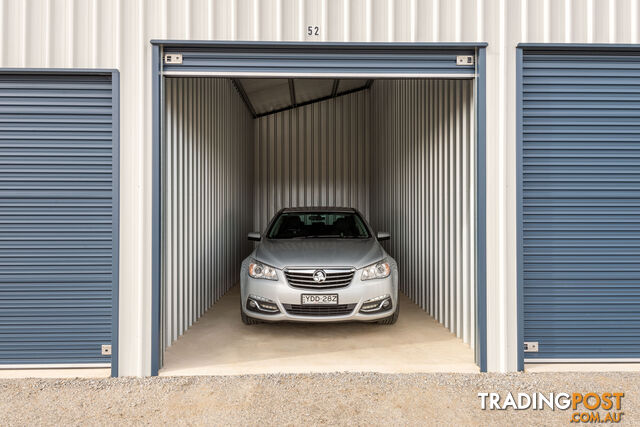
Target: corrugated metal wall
(116,34)
(423,192)
(315,155)
(208,203)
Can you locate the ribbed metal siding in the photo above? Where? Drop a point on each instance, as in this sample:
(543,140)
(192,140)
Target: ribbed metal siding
(208,197)
(581,204)
(56,218)
(423,192)
(316,155)
(237,59)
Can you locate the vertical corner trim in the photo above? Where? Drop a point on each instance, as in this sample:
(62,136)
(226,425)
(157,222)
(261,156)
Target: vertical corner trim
(115,177)
(519,212)
(156,82)
(481,217)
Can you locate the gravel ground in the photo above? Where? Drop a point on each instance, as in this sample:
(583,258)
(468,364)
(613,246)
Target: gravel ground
(340,398)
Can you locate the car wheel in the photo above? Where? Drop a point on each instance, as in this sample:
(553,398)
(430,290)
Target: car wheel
(391,319)
(246,319)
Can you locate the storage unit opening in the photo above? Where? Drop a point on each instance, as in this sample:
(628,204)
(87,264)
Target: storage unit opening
(237,150)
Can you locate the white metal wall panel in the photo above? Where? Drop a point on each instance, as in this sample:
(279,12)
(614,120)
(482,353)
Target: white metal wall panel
(116,34)
(315,155)
(207,205)
(423,192)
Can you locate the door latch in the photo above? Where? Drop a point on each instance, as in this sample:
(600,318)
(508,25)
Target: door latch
(465,60)
(173,58)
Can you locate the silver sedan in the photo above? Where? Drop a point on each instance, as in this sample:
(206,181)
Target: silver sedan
(319,265)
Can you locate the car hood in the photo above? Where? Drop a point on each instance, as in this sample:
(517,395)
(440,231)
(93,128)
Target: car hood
(321,252)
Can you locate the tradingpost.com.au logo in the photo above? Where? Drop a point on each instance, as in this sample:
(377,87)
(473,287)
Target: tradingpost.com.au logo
(584,407)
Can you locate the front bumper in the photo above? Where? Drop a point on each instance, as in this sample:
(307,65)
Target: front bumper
(284,295)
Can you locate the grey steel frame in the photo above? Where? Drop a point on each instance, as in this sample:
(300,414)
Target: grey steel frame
(388,50)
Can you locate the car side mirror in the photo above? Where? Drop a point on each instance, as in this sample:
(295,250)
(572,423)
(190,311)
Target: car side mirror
(254,236)
(383,235)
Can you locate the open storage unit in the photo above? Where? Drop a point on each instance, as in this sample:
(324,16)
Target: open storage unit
(243,134)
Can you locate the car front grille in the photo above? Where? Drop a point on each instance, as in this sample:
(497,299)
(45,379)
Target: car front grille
(335,278)
(319,310)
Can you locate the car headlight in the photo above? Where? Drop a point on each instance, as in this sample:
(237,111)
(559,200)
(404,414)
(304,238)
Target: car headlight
(379,270)
(257,270)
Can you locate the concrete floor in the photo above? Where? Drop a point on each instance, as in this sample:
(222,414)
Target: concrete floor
(219,344)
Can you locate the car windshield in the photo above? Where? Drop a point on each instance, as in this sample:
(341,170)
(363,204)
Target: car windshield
(307,225)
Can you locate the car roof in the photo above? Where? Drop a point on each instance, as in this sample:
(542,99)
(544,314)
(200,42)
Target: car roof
(319,209)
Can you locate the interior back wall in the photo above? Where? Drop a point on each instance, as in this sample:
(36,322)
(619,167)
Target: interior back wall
(314,155)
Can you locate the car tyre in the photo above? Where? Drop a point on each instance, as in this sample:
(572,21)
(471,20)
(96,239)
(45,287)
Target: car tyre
(390,320)
(246,319)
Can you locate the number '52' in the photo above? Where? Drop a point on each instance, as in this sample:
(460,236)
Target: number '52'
(313,31)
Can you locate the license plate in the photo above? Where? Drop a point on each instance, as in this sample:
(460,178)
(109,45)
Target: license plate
(319,299)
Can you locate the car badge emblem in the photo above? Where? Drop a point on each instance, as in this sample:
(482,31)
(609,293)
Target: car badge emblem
(319,276)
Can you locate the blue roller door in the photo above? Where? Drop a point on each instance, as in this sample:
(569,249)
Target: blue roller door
(580,212)
(58,217)
(339,59)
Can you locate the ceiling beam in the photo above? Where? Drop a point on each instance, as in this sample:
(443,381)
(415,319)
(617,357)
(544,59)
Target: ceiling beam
(334,91)
(312,101)
(243,94)
(292,93)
